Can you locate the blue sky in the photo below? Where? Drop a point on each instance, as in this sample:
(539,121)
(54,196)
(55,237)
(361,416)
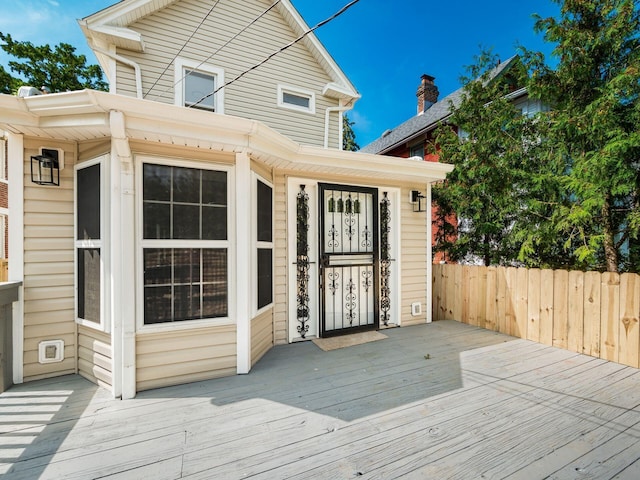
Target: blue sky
(384,46)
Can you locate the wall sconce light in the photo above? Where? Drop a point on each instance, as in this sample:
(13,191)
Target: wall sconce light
(45,168)
(417,199)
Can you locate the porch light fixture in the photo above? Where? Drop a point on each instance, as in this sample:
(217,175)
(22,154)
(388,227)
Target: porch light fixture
(417,200)
(45,168)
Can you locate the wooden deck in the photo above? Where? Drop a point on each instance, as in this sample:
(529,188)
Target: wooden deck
(483,405)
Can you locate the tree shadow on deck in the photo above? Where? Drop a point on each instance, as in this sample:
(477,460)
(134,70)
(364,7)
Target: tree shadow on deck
(412,364)
(36,419)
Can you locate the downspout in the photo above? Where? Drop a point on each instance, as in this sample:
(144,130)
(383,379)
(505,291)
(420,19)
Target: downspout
(126,61)
(327,113)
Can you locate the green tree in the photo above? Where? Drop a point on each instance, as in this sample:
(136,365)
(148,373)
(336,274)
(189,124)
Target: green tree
(492,191)
(593,126)
(59,69)
(348,135)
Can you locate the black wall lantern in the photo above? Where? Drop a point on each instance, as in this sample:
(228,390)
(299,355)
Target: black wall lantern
(45,168)
(418,201)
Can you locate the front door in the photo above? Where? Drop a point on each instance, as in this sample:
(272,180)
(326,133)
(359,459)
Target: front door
(348,259)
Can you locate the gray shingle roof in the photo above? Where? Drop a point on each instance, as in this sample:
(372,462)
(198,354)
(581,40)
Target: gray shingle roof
(426,121)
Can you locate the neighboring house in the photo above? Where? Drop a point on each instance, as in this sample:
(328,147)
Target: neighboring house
(414,137)
(181,244)
(4,204)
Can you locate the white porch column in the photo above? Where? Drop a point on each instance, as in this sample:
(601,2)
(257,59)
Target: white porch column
(122,257)
(243,261)
(15,163)
(429,304)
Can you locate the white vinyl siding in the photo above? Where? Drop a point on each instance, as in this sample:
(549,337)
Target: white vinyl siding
(261,335)
(413,266)
(172,358)
(95,356)
(252,96)
(49,299)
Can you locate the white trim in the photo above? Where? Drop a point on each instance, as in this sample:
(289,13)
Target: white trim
(298,92)
(142,243)
(15,159)
(3,160)
(218,73)
(429,302)
(243,263)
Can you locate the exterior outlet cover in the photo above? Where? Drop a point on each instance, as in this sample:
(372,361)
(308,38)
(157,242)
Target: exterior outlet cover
(51,351)
(416,309)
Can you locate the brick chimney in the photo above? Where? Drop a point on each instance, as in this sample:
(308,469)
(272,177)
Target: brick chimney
(427,93)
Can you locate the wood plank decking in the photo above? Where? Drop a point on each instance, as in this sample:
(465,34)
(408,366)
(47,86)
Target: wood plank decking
(483,405)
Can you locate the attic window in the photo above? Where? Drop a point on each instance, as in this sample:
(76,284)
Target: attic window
(296,99)
(195,85)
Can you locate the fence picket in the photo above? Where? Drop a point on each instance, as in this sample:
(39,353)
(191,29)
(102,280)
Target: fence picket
(609,316)
(533,306)
(560,308)
(592,310)
(575,317)
(629,339)
(546,307)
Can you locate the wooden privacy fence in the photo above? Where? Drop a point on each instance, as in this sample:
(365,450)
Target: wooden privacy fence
(587,312)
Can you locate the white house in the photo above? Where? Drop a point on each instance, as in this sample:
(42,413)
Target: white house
(199,219)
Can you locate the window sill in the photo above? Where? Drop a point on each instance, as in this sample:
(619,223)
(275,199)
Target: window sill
(184,325)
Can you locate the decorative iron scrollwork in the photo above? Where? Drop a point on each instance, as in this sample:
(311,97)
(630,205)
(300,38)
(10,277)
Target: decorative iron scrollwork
(385,259)
(302,260)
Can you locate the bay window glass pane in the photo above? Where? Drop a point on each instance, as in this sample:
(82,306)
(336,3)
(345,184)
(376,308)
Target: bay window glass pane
(186,265)
(186,222)
(214,277)
(157,220)
(214,223)
(214,187)
(265,274)
(186,185)
(157,266)
(264,212)
(89,284)
(156,182)
(88,203)
(157,304)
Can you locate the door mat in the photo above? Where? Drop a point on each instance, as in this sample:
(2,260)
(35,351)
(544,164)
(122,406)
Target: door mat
(333,343)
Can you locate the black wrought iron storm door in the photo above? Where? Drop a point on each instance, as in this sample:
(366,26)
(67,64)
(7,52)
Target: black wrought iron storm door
(348,259)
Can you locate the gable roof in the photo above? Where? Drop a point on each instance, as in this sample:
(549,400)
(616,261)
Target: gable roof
(429,120)
(110,26)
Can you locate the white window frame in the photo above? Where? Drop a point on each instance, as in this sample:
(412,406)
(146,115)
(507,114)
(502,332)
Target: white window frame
(3,160)
(300,92)
(255,178)
(142,243)
(102,244)
(183,64)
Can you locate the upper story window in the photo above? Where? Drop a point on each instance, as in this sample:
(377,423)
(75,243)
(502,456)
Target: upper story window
(417,151)
(195,86)
(296,99)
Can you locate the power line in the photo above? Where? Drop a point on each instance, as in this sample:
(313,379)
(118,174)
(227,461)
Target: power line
(189,72)
(182,48)
(324,22)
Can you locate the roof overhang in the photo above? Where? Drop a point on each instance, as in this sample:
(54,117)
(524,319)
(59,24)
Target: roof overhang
(85,115)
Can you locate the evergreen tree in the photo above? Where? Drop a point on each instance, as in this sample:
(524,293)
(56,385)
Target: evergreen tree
(593,126)
(59,69)
(348,135)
